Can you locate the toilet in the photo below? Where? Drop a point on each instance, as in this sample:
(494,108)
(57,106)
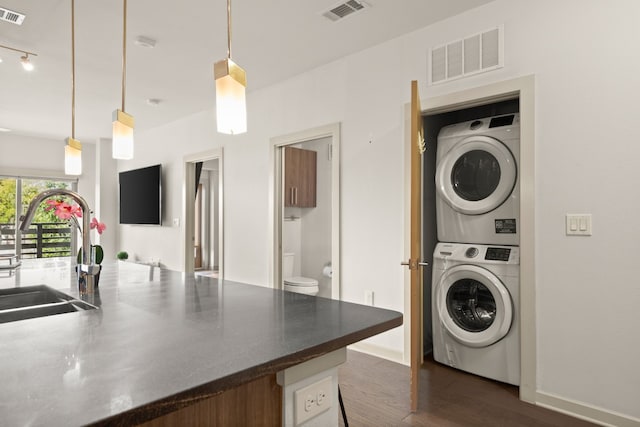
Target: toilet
(301,285)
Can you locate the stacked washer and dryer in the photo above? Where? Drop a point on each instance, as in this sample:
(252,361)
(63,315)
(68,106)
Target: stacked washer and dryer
(476,284)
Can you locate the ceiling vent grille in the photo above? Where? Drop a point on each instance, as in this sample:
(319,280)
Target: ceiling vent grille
(474,54)
(11,16)
(345,9)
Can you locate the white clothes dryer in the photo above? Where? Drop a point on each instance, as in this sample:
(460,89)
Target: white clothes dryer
(477,191)
(475,313)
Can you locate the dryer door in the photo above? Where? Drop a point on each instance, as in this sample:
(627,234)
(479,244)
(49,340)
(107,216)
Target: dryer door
(476,175)
(473,305)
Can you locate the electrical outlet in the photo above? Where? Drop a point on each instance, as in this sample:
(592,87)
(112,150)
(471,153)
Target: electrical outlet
(309,403)
(322,397)
(312,400)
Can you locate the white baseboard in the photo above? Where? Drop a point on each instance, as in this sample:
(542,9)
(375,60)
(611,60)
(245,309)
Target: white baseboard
(584,411)
(378,351)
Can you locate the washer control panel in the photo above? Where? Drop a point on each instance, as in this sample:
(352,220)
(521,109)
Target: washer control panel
(497,254)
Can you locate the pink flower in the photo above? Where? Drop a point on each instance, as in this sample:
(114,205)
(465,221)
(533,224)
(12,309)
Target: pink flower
(100,226)
(53,204)
(65,211)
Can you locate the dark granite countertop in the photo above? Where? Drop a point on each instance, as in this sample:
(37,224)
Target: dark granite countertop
(161,339)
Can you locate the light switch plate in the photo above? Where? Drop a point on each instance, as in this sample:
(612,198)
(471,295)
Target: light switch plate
(578,225)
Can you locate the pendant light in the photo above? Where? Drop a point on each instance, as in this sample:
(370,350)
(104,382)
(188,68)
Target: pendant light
(123,123)
(73,149)
(231,82)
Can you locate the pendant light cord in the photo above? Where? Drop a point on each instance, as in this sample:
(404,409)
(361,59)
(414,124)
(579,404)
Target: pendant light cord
(124,51)
(229,29)
(73,72)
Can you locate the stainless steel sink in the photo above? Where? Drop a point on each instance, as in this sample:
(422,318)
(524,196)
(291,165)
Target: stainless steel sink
(37,301)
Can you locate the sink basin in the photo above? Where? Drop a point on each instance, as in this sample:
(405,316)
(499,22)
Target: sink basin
(37,301)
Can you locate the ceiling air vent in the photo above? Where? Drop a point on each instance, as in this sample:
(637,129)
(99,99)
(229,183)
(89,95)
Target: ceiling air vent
(11,16)
(474,54)
(345,9)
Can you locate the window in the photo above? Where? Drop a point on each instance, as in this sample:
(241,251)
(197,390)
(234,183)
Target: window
(47,236)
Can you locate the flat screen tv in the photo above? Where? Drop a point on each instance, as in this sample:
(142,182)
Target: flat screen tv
(141,196)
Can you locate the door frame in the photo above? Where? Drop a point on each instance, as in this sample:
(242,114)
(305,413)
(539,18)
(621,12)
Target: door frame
(276,205)
(524,89)
(188,207)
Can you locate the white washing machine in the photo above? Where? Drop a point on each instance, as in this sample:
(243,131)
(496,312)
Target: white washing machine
(477,191)
(475,298)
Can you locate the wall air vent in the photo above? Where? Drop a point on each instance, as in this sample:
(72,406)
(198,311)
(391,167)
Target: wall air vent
(11,16)
(474,54)
(345,9)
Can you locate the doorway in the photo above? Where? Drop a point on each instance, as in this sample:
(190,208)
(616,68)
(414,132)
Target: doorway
(432,124)
(523,89)
(305,198)
(206,216)
(203,214)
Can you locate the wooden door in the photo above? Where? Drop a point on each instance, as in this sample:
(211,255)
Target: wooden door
(415,264)
(299,177)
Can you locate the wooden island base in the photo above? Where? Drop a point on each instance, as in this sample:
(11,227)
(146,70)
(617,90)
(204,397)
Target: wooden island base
(257,403)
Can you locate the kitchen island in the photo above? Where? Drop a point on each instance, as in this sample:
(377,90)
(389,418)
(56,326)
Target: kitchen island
(168,344)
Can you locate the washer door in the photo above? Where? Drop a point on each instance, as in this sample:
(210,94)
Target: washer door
(474,305)
(477,175)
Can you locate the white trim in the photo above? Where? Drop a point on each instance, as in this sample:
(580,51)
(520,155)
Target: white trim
(275,194)
(188,209)
(37,174)
(524,89)
(378,351)
(586,412)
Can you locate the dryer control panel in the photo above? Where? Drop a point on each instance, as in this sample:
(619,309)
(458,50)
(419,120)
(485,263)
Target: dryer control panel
(497,254)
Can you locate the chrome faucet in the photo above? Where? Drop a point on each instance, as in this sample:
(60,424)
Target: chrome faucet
(87,270)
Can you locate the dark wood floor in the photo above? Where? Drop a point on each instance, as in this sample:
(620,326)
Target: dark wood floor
(376,393)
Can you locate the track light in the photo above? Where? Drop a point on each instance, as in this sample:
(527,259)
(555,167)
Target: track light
(26,64)
(24,59)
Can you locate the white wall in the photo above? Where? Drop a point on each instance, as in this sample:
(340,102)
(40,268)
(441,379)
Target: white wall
(106,198)
(24,152)
(586,74)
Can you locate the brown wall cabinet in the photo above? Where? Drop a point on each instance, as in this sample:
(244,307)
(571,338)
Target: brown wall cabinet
(299,177)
